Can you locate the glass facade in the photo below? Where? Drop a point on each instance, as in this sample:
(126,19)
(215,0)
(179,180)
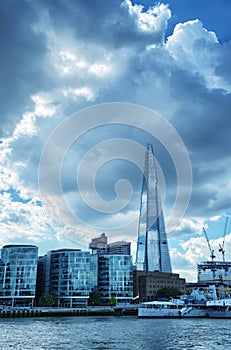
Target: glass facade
(93,272)
(152,246)
(115,277)
(18,269)
(43,277)
(70,277)
(121,247)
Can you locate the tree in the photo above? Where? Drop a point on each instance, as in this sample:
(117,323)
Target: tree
(113,300)
(168,292)
(95,299)
(47,300)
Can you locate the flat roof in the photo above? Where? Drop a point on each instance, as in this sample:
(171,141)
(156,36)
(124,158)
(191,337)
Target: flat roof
(20,246)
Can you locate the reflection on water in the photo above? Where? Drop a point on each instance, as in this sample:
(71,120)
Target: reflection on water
(106,333)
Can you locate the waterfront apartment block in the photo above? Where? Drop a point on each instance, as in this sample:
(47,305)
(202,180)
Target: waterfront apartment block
(18,268)
(115,278)
(66,275)
(146,284)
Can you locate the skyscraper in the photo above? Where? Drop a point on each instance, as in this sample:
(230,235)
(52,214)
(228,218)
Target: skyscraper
(152,246)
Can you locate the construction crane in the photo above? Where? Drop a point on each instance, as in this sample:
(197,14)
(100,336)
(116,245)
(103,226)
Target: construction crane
(212,256)
(221,246)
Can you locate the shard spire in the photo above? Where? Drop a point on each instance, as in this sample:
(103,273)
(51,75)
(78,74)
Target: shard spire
(152,246)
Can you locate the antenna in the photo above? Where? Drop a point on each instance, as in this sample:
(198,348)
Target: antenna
(221,246)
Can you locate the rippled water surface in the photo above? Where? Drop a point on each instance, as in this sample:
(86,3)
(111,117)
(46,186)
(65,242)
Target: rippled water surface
(114,333)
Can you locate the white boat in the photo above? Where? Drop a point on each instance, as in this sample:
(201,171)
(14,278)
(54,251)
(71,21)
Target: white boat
(194,311)
(219,312)
(219,308)
(159,309)
(198,302)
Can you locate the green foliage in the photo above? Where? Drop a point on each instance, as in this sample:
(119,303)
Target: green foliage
(95,299)
(113,300)
(168,292)
(47,300)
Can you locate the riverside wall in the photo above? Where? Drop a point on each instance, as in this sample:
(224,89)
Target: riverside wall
(57,312)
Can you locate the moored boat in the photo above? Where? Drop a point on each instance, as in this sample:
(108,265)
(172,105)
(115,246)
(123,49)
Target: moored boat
(160,309)
(219,308)
(219,312)
(194,311)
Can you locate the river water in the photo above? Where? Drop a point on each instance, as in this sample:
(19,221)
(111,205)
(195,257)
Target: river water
(107,333)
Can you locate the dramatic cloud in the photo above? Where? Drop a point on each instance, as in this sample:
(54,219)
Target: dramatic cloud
(60,57)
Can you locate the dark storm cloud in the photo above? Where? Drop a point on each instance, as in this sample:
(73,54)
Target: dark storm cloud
(103,22)
(202,116)
(187,81)
(23,68)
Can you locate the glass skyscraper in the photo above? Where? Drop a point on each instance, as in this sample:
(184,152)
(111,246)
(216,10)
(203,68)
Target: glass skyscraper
(18,269)
(152,246)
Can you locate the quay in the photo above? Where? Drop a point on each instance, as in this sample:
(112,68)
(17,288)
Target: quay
(59,312)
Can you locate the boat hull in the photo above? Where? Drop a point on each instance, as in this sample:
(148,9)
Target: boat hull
(161,313)
(194,312)
(219,314)
(219,308)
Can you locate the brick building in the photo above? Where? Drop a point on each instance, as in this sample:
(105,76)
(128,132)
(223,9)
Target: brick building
(146,284)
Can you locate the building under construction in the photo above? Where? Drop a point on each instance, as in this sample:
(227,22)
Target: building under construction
(214,271)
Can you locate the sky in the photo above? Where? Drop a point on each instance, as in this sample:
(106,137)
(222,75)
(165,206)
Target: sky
(84,87)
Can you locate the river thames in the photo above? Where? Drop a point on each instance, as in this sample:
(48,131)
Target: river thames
(106,333)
